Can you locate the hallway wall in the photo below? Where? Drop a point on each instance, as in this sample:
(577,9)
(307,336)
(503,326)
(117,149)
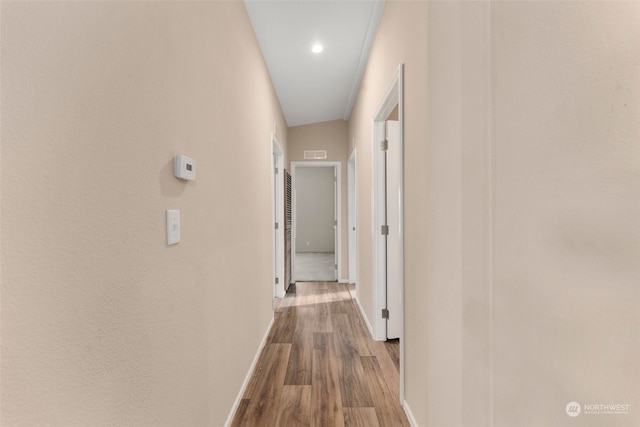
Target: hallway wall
(566,211)
(102,323)
(315,210)
(522,237)
(401,38)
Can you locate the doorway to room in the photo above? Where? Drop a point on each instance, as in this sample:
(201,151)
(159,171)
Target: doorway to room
(388,223)
(316,221)
(352,218)
(279,239)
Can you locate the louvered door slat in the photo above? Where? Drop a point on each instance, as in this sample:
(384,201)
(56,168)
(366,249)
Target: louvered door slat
(287,229)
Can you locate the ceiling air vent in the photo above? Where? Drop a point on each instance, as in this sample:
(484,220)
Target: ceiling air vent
(315,154)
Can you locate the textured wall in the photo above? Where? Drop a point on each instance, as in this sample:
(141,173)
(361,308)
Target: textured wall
(315,204)
(400,39)
(102,322)
(522,230)
(567,212)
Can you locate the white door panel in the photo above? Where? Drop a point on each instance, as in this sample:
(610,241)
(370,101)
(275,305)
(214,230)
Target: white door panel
(394,241)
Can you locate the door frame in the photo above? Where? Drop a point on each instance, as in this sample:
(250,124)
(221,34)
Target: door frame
(352,230)
(337,167)
(392,98)
(277,193)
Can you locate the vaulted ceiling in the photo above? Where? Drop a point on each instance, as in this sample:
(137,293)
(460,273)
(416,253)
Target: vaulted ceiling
(315,87)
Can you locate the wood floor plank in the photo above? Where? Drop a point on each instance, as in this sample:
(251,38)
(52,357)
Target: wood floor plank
(388,410)
(300,359)
(320,367)
(295,406)
(348,332)
(357,322)
(387,367)
(336,307)
(284,326)
(393,348)
(326,409)
(240,412)
(265,393)
(342,289)
(323,320)
(361,417)
(352,383)
(305,293)
(281,304)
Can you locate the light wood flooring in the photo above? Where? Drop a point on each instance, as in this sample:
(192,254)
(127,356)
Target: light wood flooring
(320,367)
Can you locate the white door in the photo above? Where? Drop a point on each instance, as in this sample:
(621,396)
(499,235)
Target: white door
(276,240)
(278,221)
(394,241)
(335,222)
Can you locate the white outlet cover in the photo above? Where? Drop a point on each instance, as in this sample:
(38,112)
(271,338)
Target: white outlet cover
(173,227)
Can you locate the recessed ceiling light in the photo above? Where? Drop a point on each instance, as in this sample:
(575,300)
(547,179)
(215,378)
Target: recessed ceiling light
(317,48)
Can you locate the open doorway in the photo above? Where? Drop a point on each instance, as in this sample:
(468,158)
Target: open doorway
(278,218)
(352,218)
(316,221)
(388,225)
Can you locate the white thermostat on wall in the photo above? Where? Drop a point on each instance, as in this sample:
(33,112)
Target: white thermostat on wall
(184,167)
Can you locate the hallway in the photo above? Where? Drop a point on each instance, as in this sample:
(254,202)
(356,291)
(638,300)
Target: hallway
(320,366)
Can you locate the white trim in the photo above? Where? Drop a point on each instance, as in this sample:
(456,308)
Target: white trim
(247,378)
(378,250)
(392,97)
(277,197)
(364,315)
(352,218)
(409,414)
(338,172)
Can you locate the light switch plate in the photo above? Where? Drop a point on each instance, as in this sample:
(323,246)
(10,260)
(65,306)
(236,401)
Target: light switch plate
(173,227)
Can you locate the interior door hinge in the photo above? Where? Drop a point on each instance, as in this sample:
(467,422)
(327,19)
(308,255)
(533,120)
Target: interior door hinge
(277,280)
(384,145)
(384,230)
(277,226)
(277,171)
(385,313)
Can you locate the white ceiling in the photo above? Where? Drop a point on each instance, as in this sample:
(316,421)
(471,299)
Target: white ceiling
(315,87)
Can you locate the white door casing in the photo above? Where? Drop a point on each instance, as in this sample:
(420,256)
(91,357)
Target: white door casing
(379,250)
(278,217)
(393,98)
(335,222)
(352,218)
(337,167)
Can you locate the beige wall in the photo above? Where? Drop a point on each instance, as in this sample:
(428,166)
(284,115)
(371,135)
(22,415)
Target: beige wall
(102,322)
(330,136)
(566,108)
(403,24)
(522,237)
(315,212)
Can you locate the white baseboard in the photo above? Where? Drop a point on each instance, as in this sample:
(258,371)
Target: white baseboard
(364,316)
(343,281)
(407,411)
(236,404)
